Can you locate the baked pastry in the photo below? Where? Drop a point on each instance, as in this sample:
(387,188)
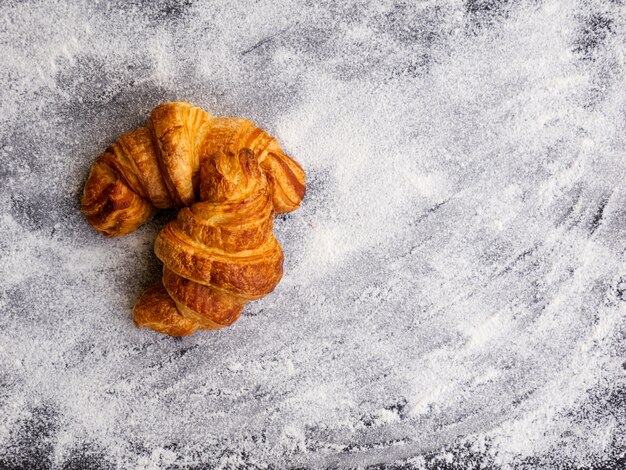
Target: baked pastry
(230,178)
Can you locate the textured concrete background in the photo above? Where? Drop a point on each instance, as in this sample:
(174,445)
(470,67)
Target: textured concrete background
(455,281)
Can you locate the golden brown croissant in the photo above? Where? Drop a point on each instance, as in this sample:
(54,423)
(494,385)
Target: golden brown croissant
(231,178)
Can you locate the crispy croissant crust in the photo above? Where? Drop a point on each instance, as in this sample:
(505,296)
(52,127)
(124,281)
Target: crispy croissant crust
(230,177)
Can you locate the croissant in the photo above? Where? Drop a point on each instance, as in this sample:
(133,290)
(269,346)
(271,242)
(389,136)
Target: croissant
(230,178)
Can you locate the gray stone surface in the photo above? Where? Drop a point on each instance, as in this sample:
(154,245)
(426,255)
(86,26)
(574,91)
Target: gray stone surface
(455,281)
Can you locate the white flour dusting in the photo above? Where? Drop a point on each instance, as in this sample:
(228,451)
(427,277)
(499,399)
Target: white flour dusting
(455,281)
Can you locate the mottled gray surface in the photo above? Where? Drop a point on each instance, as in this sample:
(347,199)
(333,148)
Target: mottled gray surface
(455,283)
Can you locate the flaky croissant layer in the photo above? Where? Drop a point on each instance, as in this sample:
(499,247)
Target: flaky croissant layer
(230,178)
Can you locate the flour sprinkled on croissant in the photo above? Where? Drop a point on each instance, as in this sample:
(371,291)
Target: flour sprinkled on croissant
(230,178)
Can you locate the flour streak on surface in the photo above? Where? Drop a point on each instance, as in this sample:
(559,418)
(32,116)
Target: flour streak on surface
(455,280)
